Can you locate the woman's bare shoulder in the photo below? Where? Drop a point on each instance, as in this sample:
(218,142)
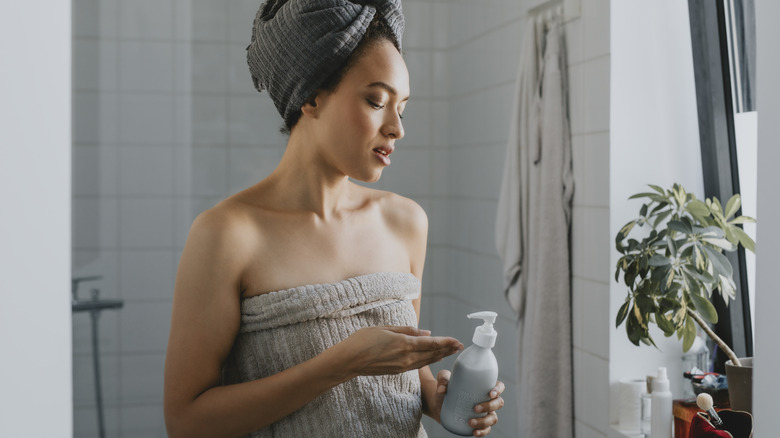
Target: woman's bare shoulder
(401,214)
(227,226)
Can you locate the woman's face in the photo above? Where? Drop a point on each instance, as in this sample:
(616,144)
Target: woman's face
(360,120)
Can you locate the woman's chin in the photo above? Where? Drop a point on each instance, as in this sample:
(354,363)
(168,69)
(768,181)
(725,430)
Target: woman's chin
(369,178)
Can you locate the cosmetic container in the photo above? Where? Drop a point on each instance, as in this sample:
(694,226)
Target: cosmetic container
(661,412)
(474,374)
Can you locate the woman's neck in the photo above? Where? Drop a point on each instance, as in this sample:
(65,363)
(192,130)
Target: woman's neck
(303,181)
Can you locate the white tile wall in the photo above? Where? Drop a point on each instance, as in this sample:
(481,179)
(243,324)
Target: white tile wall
(253,121)
(146,170)
(591,153)
(97,66)
(85,422)
(95,18)
(209,21)
(145,65)
(145,223)
(95,170)
(142,378)
(146,19)
(143,327)
(95,222)
(146,274)
(210,72)
(99,121)
(146,119)
(591,395)
(249,165)
(241,16)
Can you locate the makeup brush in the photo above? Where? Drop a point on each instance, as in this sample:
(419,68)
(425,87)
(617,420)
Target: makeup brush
(704,401)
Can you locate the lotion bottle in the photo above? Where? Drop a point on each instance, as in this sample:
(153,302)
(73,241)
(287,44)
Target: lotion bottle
(474,374)
(661,412)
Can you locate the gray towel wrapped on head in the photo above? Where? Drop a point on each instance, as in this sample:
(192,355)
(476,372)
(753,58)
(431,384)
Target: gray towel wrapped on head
(297,44)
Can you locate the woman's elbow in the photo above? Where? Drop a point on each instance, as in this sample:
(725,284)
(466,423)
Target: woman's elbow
(177,423)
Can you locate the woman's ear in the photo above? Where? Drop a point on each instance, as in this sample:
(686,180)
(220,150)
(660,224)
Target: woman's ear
(309,108)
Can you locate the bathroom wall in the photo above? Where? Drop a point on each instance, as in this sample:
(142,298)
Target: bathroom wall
(655,138)
(166,123)
(469,79)
(482,49)
(35,319)
(475,53)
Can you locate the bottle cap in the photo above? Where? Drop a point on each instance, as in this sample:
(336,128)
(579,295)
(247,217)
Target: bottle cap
(661,381)
(484,335)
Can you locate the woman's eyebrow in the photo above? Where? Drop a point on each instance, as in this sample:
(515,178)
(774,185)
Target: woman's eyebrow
(389,88)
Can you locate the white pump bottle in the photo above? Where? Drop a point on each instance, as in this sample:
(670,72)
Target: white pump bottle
(473,376)
(661,407)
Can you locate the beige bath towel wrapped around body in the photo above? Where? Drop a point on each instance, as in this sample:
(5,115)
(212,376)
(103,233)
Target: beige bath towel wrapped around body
(282,329)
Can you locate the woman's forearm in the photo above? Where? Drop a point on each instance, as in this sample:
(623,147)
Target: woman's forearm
(236,410)
(428,387)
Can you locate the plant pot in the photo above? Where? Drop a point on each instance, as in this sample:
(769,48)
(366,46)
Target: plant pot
(741,384)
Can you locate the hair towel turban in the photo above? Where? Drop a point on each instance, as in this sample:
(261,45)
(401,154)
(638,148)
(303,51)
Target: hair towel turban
(297,44)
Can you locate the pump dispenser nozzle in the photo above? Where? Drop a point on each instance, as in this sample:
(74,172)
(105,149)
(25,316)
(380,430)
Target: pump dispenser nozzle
(484,335)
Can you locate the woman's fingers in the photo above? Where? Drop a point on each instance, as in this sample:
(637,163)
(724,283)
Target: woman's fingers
(483,424)
(442,380)
(407,330)
(490,406)
(393,349)
(498,389)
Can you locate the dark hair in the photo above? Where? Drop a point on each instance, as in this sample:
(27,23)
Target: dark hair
(377,31)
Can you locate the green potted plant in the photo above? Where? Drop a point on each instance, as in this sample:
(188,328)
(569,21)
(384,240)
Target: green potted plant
(674,267)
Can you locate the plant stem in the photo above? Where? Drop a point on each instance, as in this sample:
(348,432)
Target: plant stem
(718,340)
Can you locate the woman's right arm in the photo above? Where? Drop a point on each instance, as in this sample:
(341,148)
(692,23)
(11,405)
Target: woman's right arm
(205,322)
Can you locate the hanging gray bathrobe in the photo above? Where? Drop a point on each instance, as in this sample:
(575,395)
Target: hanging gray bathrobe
(532,233)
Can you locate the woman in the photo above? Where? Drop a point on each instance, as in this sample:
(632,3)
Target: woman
(252,351)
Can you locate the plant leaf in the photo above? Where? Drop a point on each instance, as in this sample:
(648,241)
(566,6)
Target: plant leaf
(744,239)
(632,329)
(622,313)
(704,307)
(679,226)
(732,205)
(661,216)
(719,262)
(723,244)
(643,195)
(664,323)
(689,334)
(742,220)
(727,288)
(698,208)
(657,189)
(659,260)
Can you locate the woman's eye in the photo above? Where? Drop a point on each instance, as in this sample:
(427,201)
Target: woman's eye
(375,105)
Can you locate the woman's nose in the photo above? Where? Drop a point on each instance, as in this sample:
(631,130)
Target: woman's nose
(394,127)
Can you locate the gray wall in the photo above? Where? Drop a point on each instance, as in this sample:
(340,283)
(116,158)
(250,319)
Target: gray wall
(35,321)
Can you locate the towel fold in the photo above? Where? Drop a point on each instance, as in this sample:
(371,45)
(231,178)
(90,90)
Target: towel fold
(282,329)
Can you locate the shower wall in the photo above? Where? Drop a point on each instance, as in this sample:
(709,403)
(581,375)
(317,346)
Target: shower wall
(478,51)
(166,123)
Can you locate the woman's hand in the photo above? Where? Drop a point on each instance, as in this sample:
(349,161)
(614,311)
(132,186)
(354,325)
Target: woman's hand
(391,350)
(481,425)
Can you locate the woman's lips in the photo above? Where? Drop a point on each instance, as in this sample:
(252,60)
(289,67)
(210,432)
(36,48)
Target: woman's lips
(383,153)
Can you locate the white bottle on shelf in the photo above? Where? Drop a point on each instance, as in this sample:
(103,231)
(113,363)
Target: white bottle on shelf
(661,413)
